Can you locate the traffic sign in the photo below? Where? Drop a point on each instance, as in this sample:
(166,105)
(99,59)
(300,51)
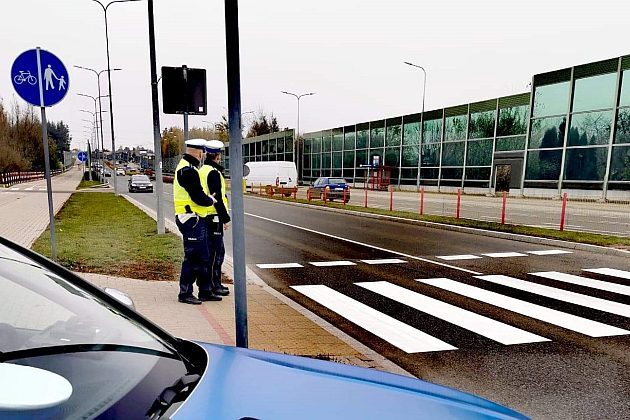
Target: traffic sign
(82,156)
(39,77)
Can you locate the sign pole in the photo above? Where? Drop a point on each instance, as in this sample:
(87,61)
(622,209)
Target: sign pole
(51,214)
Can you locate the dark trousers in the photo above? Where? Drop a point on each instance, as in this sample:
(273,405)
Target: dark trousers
(196,258)
(216,253)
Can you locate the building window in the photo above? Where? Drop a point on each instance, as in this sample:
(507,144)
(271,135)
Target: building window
(482,125)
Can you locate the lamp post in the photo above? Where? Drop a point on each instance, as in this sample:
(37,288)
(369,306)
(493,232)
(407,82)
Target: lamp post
(99,113)
(424,89)
(100,106)
(109,79)
(297,134)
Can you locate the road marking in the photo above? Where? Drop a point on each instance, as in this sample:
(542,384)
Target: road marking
(541,313)
(504,254)
(559,294)
(487,327)
(550,252)
(413,257)
(384,261)
(459,257)
(610,272)
(285,265)
(331,263)
(586,282)
(399,334)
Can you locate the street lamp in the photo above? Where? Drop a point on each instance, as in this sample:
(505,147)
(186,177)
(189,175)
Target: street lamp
(424,89)
(109,79)
(296,136)
(97,124)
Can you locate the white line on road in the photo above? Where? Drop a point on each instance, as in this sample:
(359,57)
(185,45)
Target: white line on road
(487,327)
(399,334)
(331,263)
(559,294)
(284,265)
(459,257)
(505,254)
(583,281)
(610,272)
(364,244)
(542,313)
(549,252)
(384,261)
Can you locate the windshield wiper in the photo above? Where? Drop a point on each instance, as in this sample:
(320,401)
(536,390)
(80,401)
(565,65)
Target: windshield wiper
(81,348)
(172,394)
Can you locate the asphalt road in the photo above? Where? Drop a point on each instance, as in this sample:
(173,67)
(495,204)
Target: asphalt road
(551,345)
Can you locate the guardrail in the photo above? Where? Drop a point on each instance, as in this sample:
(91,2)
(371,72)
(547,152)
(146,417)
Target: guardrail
(8,179)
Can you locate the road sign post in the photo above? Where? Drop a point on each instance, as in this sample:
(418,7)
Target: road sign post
(41,79)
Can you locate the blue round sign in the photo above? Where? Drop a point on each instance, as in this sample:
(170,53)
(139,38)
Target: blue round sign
(82,156)
(48,82)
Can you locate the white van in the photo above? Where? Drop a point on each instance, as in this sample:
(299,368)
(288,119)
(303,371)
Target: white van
(277,173)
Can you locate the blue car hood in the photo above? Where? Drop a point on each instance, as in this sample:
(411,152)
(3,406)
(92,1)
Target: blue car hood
(261,385)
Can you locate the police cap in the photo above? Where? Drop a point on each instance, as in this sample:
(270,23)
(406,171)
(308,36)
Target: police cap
(214,146)
(196,144)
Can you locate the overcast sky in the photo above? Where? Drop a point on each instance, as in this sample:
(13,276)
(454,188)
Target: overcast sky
(349,52)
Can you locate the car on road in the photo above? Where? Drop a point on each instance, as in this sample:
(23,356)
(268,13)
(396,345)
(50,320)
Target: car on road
(120,171)
(331,188)
(140,183)
(71,350)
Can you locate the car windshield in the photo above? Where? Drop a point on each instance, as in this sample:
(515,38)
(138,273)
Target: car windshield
(40,309)
(140,178)
(115,367)
(336,181)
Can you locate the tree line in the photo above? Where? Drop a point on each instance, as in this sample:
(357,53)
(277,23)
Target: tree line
(21,146)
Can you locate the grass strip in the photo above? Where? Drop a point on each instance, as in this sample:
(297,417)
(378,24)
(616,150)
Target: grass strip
(87,184)
(105,234)
(580,237)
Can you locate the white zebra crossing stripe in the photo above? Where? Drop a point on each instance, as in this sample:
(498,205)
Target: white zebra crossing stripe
(504,254)
(570,322)
(459,257)
(586,282)
(399,334)
(487,327)
(612,272)
(559,294)
(550,252)
(384,261)
(331,263)
(285,265)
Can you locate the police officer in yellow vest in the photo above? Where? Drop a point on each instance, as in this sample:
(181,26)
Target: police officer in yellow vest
(192,204)
(218,218)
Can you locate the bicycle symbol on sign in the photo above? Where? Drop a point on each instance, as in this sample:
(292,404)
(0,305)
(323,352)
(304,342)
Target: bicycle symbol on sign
(25,76)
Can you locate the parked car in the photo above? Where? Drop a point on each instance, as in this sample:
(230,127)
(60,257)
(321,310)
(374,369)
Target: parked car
(71,350)
(150,173)
(331,188)
(120,171)
(139,183)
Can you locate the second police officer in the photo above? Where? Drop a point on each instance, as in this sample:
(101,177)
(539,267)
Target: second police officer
(218,218)
(192,203)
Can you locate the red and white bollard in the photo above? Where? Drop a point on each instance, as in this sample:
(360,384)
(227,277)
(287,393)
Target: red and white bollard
(422,201)
(564,211)
(459,201)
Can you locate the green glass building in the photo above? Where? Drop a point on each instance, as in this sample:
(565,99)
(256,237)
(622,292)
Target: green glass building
(571,132)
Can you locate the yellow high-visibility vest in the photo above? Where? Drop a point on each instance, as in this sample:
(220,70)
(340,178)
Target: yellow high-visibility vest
(181,198)
(203,172)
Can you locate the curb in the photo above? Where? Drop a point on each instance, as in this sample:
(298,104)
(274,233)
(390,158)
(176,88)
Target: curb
(252,278)
(476,231)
